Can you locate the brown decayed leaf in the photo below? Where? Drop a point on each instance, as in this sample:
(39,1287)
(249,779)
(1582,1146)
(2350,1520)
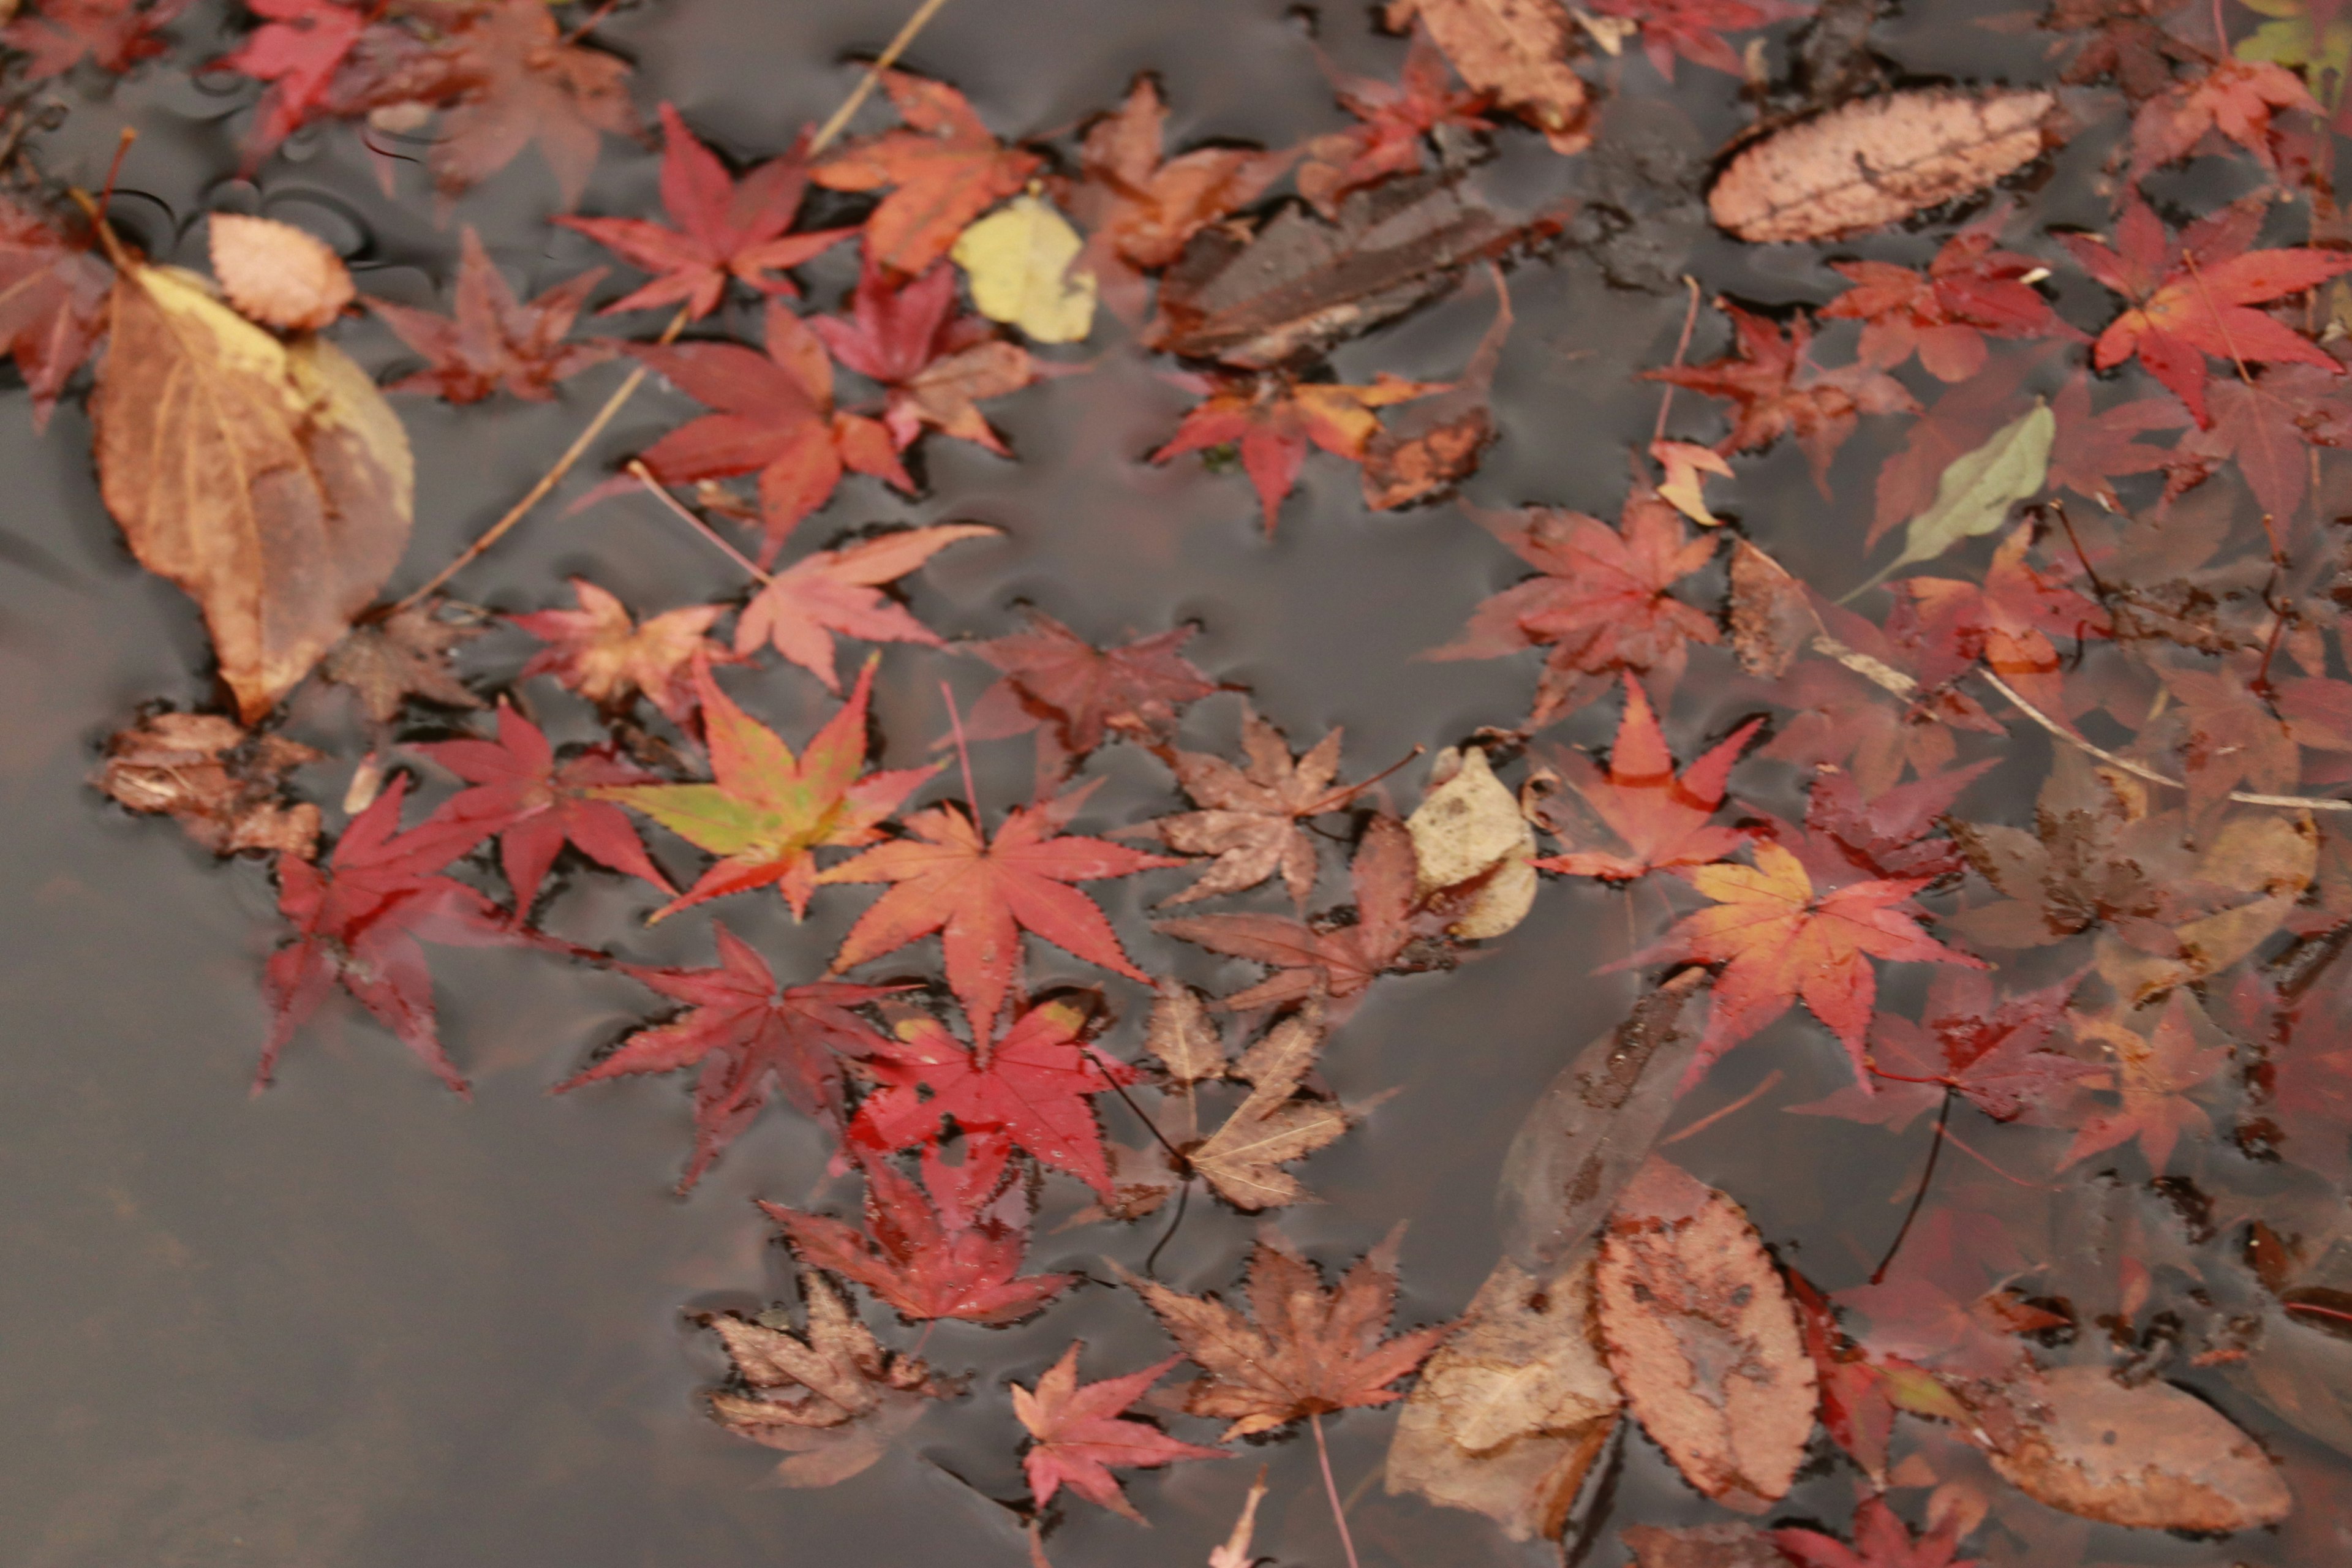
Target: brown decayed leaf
(1251,817)
(1242,1159)
(1770,621)
(268,479)
(1702,1335)
(600,651)
(278,275)
(1511,1412)
(2152,1455)
(222,785)
(1473,848)
(1702,1546)
(1311,1351)
(1421,463)
(1516,49)
(1877,161)
(830,1396)
(404,655)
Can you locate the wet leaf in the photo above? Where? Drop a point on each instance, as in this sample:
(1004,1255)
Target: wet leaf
(494,342)
(1880,1540)
(1877,161)
(405,655)
(278,275)
(1253,818)
(1515,50)
(944,170)
(837,593)
(269,480)
(1703,1546)
(1076,696)
(1702,1336)
(1771,620)
(1658,818)
(224,786)
(509,76)
(1242,1159)
(1018,260)
(1468,829)
(1079,1433)
(53,302)
(603,653)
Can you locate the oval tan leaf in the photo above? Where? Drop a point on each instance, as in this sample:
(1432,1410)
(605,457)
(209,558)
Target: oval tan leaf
(2153,1455)
(1702,1337)
(1469,837)
(1876,161)
(269,480)
(276,274)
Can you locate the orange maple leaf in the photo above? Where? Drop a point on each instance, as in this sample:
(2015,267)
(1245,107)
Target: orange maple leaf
(945,170)
(1661,817)
(1271,418)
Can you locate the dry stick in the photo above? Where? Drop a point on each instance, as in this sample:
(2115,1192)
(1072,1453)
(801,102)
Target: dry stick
(1331,1490)
(628,389)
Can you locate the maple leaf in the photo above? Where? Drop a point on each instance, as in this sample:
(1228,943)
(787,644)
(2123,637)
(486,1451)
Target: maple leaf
(492,343)
(1603,604)
(766,813)
(54,36)
(830,1397)
(921,1267)
(1397,118)
(720,229)
(2127,44)
(2265,427)
(837,593)
(601,652)
(1994,1054)
(357,922)
(226,786)
(536,804)
(512,77)
(52,302)
(934,364)
(2227,736)
(1311,1351)
(1694,29)
(751,1039)
(299,50)
(1943,1302)
(943,171)
(980,893)
(1031,1090)
(1880,1540)
(2195,299)
(2090,449)
(1079,1434)
(1075,695)
(1251,817)
(1277,1125)
(1324,958)
(1969,289)
(404,655)
(773,417)
(1779,391)
(1272,418)
(2236,99)
(1138,209)
(2153,1075)
(1886,835)
(1663,819)
(2009,622)
(1780,941)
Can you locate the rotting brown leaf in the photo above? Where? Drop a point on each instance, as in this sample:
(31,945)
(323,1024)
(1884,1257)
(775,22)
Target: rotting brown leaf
(1703,1338)
(1516,49)
(279,275)
(1771,622)
(1511,1412)
(271,480)
(404,655)
(224,786)
(1731,1545)
(1468,829)
(1242,1159)
(2154,1456)
(1877,161)
(830,1397)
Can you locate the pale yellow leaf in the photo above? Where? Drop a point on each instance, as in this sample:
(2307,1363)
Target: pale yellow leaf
(1018,258)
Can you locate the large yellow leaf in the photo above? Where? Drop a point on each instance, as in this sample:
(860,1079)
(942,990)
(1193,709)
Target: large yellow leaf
(269,479)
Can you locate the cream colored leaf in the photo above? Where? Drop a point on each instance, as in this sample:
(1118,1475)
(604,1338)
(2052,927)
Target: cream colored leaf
(276,274)
(1468,834)
(270,481)
(1018,258)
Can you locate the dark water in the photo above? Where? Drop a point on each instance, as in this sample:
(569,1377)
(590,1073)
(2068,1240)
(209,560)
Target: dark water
(360,1323)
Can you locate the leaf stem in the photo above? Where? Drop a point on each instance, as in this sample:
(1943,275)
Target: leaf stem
(1682,347)
(1331,1488)
(1935,1150)
(644,477)
(964,755)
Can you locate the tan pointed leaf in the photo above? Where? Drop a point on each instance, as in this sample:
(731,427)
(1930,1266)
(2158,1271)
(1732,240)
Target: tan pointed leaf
(276,274)
(404,655)
(1184,1037)
(1702,1337)
(271,480)
(1242,1159)
(1511,1412)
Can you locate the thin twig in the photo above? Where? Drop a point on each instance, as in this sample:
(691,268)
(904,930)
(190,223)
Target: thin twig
(882,62)
(1682,347)
(1943,1116)
(1331,1490)
(661,493)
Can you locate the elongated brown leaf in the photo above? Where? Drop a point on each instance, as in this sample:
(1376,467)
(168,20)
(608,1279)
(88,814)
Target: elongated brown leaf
(268,479)
(1875,162)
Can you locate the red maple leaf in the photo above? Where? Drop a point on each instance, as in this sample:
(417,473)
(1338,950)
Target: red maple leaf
(2265,427)
(601,652)
(1970,289)
(536,804)
(1079,1434)
(773,416)
(1075,695)
(2090,449)
(1943,1303)
(2153,1076)
(834,593)
(52,302)
(719,228)
(1779,391)
(1855,837)
(935,364)
(1603,604)
(922,1266)
(766,813)
(509,76)
(1992,1053)
(2011,623)
(1695,29)
(357,920)
(54,36)
(1271,418)
(1862,1392)
(2236,98)
(1780,941)
(493,342)
(980,893)
(1397,118)
(751,1039)
(2194,299)
(1328,958)
(1033,1091)
(1663,819)
(1880,1540)
(299,50)
(943,171)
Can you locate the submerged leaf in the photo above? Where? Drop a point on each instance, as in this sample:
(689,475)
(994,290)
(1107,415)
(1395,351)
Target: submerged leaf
(1976,491)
